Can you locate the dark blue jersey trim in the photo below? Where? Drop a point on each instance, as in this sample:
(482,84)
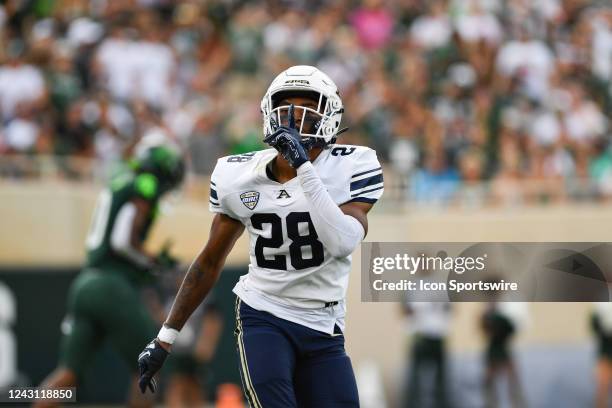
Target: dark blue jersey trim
(369,181)
(365,172)
(363,200)
(367,191)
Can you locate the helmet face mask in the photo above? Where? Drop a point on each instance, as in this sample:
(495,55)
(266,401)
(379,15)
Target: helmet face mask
(307,112)
(319,121)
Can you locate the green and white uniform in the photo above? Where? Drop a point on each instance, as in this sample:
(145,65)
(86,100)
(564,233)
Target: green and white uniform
(104,300)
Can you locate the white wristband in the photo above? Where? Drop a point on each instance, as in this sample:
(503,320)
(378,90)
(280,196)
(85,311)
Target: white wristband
(167,335)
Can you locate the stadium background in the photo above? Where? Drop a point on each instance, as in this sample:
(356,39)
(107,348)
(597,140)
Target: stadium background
(492,119)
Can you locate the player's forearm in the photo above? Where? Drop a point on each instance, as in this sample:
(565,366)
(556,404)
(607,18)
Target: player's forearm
(198,281)
(204,271)
(340,233)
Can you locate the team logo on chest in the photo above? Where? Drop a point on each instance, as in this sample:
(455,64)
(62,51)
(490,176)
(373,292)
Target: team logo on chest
(283,194)
(250,199)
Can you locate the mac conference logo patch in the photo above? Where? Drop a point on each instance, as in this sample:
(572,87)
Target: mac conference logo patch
(250,199)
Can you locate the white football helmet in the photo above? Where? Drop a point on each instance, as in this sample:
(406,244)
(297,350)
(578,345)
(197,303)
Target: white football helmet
(303,80)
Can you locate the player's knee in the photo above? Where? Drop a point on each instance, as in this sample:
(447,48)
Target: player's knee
(272,392)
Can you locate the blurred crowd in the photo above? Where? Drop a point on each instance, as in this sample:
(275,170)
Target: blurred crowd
(450,93)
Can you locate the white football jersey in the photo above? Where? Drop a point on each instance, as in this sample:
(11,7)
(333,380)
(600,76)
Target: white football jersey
(290,269)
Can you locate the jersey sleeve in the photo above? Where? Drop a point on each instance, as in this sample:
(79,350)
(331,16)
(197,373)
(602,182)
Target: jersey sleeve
(216,202)
(213,200)
(366,184)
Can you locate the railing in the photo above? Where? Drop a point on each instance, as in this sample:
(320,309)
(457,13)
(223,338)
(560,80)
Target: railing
(400,190)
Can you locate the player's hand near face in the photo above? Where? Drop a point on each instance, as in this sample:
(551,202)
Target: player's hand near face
(288,141)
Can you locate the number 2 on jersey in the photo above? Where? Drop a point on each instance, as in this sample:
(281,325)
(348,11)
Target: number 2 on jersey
(297,241)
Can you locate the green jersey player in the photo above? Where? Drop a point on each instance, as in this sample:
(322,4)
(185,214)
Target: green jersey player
(104,300)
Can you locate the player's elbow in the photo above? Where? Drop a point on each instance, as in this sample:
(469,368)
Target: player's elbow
(344,244)
(347,237)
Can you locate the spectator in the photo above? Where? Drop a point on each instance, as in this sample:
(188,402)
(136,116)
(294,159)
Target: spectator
(22,87)
(471,165)
(600,171)
(418,80)
(584,121)
(432,30)
(373,24)
(506,186)
(21,135)
(527,60)
(478,25)
(437,182)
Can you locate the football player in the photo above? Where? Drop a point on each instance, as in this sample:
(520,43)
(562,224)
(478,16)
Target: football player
(601,323)
(304,204)
(103,301)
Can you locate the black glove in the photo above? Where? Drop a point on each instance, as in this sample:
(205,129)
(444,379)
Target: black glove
(149,362)
(288,141)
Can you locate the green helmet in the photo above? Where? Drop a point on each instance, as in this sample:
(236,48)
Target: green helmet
(165,163)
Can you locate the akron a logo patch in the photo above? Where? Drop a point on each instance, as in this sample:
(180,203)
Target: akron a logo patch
(250,199)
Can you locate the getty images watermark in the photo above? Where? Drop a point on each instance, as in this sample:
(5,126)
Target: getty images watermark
(522,272)
(428,264)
